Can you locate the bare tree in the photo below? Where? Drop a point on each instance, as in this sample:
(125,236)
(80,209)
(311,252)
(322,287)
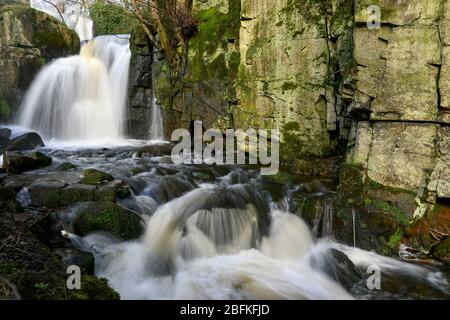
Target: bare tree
(174,23)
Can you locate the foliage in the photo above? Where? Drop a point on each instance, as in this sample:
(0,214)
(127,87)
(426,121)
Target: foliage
(111,19)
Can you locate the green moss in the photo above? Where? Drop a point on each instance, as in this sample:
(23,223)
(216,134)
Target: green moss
(289,85)
(93,288)
(107,216)
(394,240)
(93,176)
(66,166)
(5,109)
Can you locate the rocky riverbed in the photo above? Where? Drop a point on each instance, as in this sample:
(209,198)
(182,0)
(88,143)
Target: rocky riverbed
(112,193)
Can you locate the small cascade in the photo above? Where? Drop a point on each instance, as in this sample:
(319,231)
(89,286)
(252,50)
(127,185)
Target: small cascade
(81,97)
(354,226)
(157,126)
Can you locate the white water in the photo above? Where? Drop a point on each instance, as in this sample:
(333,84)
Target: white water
(81,97)
(192,251)
(157,126)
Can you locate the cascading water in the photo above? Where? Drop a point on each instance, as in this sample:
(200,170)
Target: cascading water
(81,97)
(223,238)
(157,127)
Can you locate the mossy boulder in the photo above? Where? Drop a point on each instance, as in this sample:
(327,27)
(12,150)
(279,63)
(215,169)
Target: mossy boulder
(76,193)
(94,177)
(107,216)
(46,193)
(66,166)
(16,162)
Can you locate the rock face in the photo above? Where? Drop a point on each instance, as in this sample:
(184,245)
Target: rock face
(401,80)
(332,85)
(140,86)
(29,39)
(265,64)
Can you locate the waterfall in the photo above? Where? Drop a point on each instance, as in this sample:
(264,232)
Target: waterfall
(157,128)
(81,97)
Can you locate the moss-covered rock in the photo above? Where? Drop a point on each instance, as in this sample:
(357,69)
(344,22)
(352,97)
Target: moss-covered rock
(29,39)
(66,166)
(93,288)
(46,193)
(76,193)
(15,162)
(109,217)
(94,177)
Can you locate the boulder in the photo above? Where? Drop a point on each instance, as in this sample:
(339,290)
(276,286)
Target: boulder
(109,191)
(46,193)
(106,216)
(15,162)
(27,141)
(5,133)
(77,193)
(4,141)
(93,176)
(66,166)
(337,266)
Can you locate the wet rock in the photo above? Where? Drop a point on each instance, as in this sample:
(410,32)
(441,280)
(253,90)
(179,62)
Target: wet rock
(442,251)
(108,192)
(15,162)
(79,258)
(337,266)
(8,291)
(109,217)
(93,176)
(66,166)
(46,193)
(27,141)
(7,199)
(4,141)
(5,133)
(76,193)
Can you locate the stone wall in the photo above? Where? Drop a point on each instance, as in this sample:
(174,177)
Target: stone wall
(29,39)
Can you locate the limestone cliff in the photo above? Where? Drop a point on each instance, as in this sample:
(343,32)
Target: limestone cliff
(379,98)
(315,70)
(28,40)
